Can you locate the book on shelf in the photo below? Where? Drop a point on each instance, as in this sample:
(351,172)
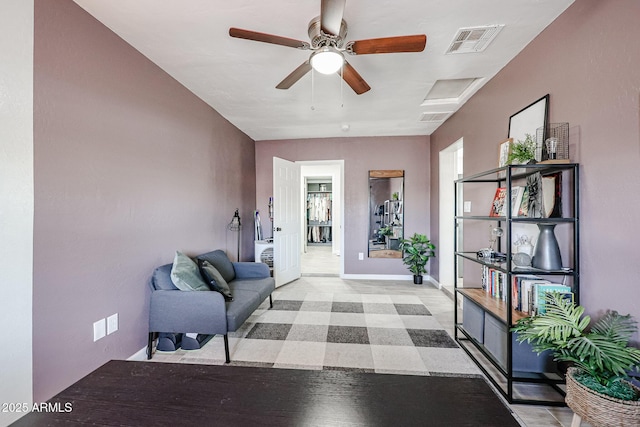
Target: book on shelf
(498,202)
(494,283)
(540,197)
(544,196)
(534,184)
(523,209)
(543,289)
(552,195)
(520,298)
(528,293)
(518,205)
(517,193)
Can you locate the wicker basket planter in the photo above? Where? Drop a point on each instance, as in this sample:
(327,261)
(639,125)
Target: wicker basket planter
(599,409)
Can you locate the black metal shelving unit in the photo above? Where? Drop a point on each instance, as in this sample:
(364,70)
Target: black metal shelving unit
(546,387)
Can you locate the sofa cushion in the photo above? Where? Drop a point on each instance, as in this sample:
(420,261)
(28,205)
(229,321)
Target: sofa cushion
(263,286)
(185,274)
(215,280)
(243,305)
(251,270)
(162,279)
(221,262)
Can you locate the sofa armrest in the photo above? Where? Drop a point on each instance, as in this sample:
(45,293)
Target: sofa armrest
(251,270)
(202,312)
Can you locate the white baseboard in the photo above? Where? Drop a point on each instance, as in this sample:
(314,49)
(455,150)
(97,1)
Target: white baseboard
(388,277)
(140,355)
(376,276)
(435,282)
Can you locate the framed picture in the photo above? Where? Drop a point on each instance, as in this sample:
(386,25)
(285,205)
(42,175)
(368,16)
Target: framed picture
(528,120)
(504,150)
(534,186)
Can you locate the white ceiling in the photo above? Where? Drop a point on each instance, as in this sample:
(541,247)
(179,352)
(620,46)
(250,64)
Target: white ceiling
(189,39)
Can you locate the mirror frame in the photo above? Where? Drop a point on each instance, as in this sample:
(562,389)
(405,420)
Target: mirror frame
(385,252)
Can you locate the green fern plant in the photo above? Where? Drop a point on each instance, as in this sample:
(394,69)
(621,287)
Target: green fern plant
(601,352)
(522,151)
(385,231)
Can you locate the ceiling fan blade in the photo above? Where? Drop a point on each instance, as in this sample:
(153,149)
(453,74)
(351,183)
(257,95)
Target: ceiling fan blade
(331,13)
(388,45)
(267,38)
(353,79)
(295,75)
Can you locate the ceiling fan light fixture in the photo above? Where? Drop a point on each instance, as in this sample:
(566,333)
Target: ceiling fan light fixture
(327,60)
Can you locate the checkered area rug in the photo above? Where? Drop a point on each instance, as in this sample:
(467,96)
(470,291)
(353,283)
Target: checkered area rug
(393,334)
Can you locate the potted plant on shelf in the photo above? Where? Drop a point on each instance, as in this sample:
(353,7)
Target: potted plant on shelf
(523,152)
(598,389)
(384,233)
(417,251)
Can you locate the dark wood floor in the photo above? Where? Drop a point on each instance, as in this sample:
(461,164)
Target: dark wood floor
(161,394)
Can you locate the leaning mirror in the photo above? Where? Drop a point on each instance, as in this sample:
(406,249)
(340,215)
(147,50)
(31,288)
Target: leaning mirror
(386,213)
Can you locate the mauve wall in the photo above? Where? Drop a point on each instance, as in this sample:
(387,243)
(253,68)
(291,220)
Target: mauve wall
(360,155)
(585,61)
(129,167)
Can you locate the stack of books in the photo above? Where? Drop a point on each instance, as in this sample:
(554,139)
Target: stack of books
(494,283)
(528,293)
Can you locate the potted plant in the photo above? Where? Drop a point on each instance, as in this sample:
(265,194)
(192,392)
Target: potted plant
(385,231)
(601,357)
(523,152)
(417,251)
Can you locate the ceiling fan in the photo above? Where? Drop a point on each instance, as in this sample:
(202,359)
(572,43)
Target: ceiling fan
(327,33)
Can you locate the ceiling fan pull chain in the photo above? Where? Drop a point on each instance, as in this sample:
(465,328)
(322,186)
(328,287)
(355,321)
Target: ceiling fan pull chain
(312,90)
(342,85)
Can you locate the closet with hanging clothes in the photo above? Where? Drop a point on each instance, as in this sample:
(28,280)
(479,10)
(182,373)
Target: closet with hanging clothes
(318,212)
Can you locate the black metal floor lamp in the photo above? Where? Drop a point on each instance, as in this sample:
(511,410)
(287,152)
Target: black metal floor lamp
(235,225)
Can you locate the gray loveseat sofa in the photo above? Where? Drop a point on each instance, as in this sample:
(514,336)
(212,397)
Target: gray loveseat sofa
(206,312)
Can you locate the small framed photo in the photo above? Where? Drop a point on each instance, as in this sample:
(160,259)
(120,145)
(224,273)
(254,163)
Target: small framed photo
(504,152)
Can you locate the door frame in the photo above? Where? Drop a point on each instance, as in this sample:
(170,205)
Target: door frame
(334,169)
(450,168)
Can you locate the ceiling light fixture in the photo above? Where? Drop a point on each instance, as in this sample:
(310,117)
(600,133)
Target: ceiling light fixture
(327,60)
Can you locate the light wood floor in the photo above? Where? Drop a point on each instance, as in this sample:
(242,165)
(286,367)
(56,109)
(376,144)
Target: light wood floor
(319,261)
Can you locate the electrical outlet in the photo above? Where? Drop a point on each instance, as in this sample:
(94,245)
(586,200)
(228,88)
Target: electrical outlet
(467,206)
(112,323)
(99,329)
(360,256)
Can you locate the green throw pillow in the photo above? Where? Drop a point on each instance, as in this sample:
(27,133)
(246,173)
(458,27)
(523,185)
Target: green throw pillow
(185,274)
(212,276)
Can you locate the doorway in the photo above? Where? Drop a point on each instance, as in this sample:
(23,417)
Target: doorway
(322,189)
(451,168)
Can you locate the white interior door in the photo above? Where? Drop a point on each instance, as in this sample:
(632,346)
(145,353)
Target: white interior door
(286,221)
